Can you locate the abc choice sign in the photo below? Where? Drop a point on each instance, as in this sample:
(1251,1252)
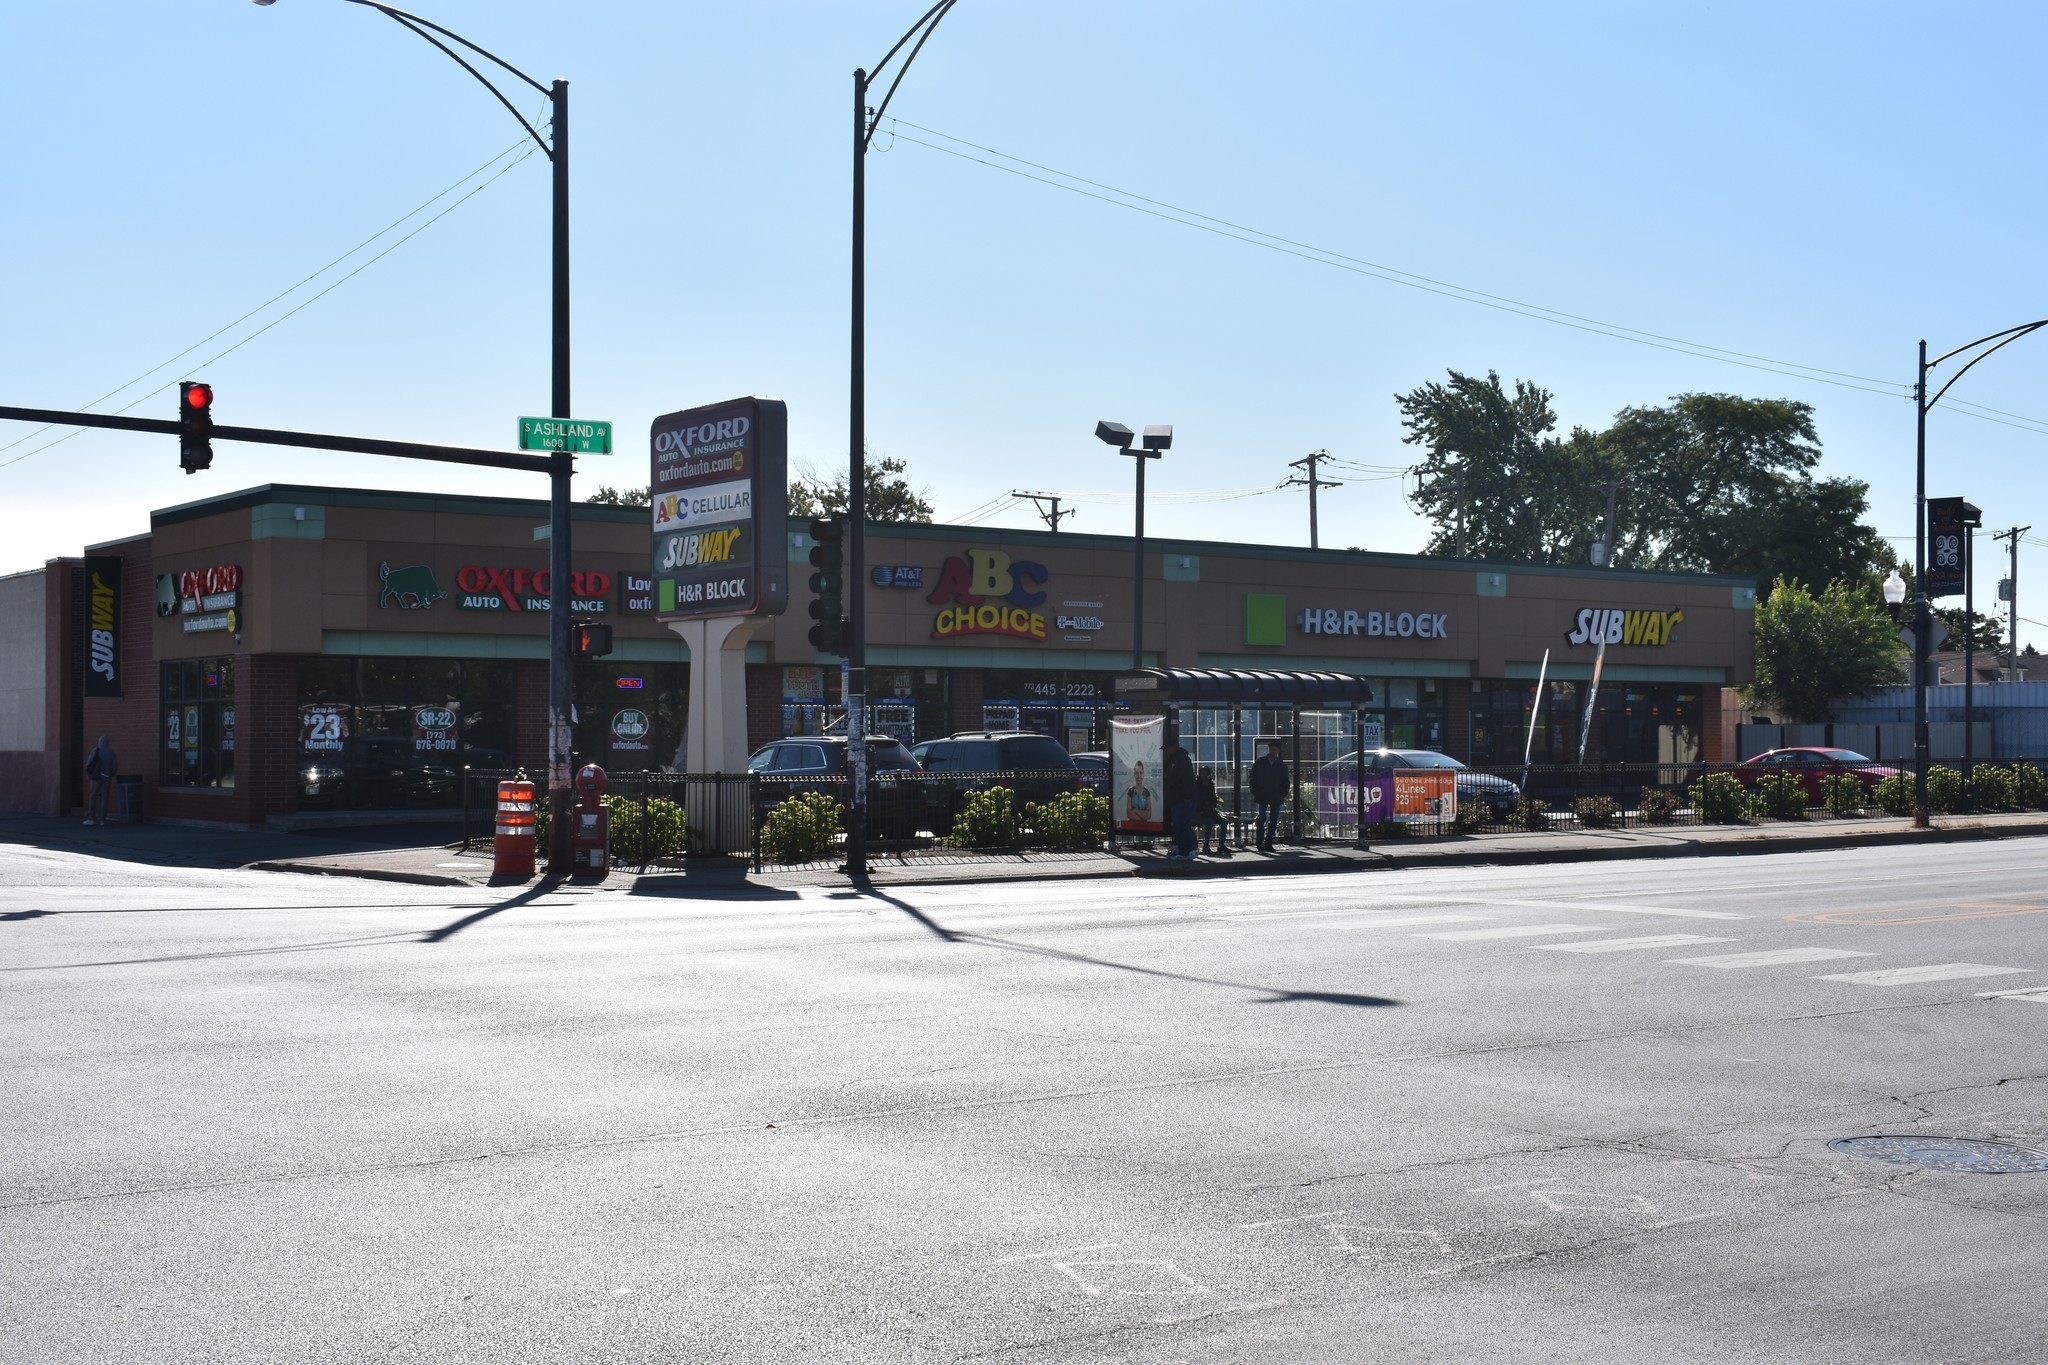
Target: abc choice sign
(1619,626)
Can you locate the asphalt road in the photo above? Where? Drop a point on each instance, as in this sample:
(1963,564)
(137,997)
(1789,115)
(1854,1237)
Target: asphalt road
(1563,1114)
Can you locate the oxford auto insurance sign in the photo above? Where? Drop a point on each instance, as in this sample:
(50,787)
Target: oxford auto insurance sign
(719,493)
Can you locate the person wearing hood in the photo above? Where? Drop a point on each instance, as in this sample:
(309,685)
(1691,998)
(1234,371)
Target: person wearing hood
(100,766)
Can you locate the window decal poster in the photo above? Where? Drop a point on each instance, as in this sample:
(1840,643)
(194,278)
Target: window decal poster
(1137,801)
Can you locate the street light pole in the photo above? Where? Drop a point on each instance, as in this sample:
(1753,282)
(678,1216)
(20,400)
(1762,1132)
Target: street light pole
(1156,441)
(1921,403)
(561,465)
(854,692)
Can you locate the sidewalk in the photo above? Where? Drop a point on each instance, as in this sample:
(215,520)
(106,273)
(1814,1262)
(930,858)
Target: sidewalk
(413,854)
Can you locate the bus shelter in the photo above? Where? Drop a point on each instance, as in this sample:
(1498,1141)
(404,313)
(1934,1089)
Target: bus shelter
(1323,726)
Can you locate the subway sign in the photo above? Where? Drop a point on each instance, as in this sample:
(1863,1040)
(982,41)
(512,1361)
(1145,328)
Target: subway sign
(1623,626)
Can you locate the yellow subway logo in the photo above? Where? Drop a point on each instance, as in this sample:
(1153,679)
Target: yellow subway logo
(1617,626)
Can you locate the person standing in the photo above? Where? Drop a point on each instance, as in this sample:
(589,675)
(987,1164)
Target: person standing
(1208,814)
(1269,790)
(100,766)
(1180,799)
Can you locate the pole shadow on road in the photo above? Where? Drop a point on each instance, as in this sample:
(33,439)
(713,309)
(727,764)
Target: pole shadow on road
(531,893)
(1268,995)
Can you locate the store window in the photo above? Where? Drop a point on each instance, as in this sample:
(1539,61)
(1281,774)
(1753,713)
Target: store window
(398,733)
(1070,705)
(198,723)
(629,716)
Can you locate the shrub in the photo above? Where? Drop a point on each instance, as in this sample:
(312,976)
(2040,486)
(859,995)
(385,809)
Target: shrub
(1779,796)
(1718,799)
(1389,829)
(987,820)
(1992,788)
(1472,817)
(1894,795)
(1843,793)
(1532,815)
(1944,788)
(1659,806)
(2030,786)
(1070,820)
(662,836)
(1596,812)
(802,828)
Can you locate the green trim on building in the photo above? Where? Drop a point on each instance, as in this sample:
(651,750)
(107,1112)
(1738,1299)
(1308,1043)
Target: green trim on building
(533,510)
(1265,618)
(275,521)
(1358,668)
(1491,584)
(402,643)
(989,656)
(1645,673)
(1174,570)
(1744,599)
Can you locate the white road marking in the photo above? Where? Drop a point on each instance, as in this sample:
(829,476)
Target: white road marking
(1623,945)
(1512,931)
(1511,1185)
(1589,1201)
(1520,903)
(1906,976)
(1298,1218)
(2037,994)
(1353,910)
(1774,958)
(1167,1279)
(1063,1251)
(1690,1218)
(1376,1239)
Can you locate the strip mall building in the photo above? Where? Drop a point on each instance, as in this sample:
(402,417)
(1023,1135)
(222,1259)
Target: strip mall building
(292,649)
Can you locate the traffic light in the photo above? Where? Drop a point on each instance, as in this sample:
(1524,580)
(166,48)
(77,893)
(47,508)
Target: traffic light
(828,585)
(592,639)
(195,426)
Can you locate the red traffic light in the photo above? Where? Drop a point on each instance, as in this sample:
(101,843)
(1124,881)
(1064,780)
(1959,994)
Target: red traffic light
(199,396)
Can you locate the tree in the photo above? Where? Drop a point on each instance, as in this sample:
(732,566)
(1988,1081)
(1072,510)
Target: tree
(1523,494)
(889,496)
(1989,631)
(1812,652)
(619,497)
(1798,529)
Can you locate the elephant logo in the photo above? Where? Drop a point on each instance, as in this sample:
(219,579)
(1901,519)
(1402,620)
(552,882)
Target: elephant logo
(412,587)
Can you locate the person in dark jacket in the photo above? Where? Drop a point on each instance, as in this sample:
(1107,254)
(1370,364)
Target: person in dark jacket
(1269,790)
(1180,799)
(1208,814)
(100,766)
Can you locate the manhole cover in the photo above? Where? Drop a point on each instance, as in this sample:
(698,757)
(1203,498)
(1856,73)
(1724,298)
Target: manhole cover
(1946,1154)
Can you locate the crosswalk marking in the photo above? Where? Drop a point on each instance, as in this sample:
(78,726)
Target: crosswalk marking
(2036,994)
(1773,958)
(1372,918)
(1573,906)
(1622,945)
(1905,976)
(1513,931)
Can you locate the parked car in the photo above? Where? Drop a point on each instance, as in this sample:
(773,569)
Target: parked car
(1497,794)
(1037,767)
(895,808)
(1810,766)
(1094,771)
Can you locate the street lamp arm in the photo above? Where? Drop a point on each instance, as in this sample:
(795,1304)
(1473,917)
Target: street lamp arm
(928,23)
(420,27)
(2010,335)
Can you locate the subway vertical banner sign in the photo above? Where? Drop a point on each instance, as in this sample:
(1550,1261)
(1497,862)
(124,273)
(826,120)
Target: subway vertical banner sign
(718,489)
(103,626)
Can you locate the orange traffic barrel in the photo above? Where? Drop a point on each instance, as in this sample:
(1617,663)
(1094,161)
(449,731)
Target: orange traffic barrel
(512,850)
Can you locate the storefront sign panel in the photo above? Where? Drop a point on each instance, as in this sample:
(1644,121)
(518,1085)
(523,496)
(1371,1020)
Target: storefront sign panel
(1621,626)
(986,592)
(718,490)
(1137,804)
(630,729)
(1422,625)
(103,626)
(494,587)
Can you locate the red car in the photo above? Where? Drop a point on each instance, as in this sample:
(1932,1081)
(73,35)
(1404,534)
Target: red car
(1812,765)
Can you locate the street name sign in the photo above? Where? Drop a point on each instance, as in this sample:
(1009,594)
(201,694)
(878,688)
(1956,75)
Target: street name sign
(565,433)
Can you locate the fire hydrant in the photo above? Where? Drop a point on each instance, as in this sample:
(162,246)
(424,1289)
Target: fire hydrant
(590,829)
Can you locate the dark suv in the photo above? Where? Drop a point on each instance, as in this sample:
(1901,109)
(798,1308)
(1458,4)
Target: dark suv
(1036,767)
(786,764)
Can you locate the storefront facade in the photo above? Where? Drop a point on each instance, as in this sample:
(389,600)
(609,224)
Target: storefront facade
(287,650)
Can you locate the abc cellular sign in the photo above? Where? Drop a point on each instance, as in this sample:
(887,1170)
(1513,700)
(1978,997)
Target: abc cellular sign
(718,494)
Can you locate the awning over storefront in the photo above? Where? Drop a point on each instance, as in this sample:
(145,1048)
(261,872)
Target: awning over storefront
(1238,686)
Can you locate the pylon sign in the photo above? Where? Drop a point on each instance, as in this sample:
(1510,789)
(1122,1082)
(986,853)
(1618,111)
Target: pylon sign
(719,493)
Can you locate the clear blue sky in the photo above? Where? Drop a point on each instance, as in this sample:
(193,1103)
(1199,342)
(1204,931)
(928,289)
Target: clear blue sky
(1818,184)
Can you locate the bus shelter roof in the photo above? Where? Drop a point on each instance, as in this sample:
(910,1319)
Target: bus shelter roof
(1238,686)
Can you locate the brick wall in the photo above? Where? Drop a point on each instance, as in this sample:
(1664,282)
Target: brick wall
(1716,731)
(967,698)
(530,739)
(764,704)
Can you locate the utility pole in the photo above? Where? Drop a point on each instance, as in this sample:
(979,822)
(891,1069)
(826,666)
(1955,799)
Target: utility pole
(2010,591)
(1311,463)
(1603,554)
(1051,517)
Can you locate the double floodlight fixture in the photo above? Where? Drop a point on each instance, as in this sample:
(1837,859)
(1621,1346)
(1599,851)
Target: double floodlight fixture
(1155,439)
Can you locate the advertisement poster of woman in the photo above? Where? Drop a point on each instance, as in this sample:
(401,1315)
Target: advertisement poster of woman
(1137,804)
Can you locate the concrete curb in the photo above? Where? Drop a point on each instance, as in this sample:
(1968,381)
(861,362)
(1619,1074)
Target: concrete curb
(375,874)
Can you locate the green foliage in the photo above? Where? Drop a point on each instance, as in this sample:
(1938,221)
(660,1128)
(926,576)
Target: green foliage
(608,496)
(1659,807)
(1779,796)
(1843,793)
(987,820)
(1532,815)
(1989,631)
(1993,788)
(1718,799)
(801,829)
(1596,812)
(1894,795)
(1070,820)
(2030,786)
(887,496)
(631,843)
(1472,817)
(1944,788)
(1812,652)
(1388,829)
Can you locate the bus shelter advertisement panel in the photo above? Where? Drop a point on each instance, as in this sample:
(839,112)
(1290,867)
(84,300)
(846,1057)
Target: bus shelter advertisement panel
(1388,794)
(1137,802)
(718,488)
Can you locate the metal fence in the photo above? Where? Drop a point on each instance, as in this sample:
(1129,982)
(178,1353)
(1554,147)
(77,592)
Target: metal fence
(663,819)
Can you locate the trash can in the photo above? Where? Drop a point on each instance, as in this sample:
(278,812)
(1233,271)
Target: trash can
(128,799)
